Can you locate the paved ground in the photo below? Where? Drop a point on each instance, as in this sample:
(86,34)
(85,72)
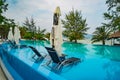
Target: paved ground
(2,76)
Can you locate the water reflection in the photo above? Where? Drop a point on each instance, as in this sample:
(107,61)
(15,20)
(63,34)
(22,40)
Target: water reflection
(111,52)
(112,69)
(74,49)
(35,42)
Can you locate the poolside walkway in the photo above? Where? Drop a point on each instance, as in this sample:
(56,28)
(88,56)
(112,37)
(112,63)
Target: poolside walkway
(2,76)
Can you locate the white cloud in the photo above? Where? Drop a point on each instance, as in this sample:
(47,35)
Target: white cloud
(42,10)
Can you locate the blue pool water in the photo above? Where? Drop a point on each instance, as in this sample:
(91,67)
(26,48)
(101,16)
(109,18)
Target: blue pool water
(98,62)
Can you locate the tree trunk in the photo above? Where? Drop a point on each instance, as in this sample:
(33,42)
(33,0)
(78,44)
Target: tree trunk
(103,42)
(75,40)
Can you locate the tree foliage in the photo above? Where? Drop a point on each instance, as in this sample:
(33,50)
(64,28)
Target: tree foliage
(113,18)
(3,8)
(4,28)
(31,31)
(23,31)
(30,24)
(4,31)
(113,14)
(101,34)
(75,26)
(40,34)
(5,23)
(47,35)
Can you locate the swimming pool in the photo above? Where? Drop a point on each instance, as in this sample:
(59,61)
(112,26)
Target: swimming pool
(98,62)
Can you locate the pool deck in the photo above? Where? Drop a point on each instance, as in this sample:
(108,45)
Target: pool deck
(2,76)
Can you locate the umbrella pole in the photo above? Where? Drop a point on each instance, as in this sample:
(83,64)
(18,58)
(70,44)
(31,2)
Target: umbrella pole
(53,34)
(53,43)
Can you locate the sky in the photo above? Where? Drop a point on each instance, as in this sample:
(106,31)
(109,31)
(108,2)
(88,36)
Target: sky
(42,11)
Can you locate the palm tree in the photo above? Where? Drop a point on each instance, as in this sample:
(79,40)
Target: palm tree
(113,14)
(47,35)
(75,26)
(101,34)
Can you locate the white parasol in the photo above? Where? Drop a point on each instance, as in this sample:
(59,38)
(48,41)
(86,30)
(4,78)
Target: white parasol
(10,35)
(56,33)
(17,35)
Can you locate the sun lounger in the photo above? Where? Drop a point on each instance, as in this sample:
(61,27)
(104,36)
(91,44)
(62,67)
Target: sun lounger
(60,62)
(37,53)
